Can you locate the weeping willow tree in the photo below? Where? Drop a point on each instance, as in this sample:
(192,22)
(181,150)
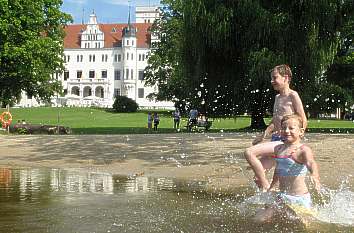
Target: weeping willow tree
(217,54)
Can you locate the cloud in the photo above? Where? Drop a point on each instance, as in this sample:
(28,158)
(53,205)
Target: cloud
(79,2)
(132,2)
(117,2)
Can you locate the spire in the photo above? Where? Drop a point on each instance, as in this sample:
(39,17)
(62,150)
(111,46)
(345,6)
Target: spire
(83,15)
(130,30)
(129,15)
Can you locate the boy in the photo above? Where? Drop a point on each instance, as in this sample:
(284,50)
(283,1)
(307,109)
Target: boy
(286,102)
(293,161)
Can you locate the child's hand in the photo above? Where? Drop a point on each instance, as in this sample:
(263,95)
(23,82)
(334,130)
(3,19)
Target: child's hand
(316,183)
(258,139)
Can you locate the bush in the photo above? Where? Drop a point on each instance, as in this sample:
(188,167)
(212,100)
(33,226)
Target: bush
(124,104)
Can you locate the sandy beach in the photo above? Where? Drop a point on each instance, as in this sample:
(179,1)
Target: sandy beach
(217,158)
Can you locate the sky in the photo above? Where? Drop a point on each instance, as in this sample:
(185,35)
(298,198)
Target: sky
(107,11)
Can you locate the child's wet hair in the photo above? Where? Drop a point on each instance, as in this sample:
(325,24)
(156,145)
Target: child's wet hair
(284,69)
(293,117)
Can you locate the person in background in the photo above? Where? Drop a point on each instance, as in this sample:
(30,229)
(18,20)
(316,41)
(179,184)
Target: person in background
(149,121)
(156,121)
(176,118)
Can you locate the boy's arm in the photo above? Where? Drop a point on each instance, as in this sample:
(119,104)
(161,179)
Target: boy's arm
(268,131)
(311,165)
(299,108)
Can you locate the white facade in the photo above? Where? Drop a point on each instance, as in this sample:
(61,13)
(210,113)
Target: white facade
(103,61)
(146,14)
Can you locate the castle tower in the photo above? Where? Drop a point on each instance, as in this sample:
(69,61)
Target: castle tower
(129,56)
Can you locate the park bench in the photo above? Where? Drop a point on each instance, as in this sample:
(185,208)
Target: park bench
(200,124)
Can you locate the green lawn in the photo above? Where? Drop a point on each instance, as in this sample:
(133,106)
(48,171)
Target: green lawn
(100,121)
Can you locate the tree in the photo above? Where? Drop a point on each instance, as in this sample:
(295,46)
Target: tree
(31,48)
(225,50)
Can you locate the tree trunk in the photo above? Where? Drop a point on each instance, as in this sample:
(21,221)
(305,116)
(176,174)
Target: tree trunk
(257,121)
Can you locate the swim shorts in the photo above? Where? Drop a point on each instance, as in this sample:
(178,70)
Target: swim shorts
(299,200)
(276,137)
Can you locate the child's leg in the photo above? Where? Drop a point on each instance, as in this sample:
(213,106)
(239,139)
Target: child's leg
(259,157)
(264,215)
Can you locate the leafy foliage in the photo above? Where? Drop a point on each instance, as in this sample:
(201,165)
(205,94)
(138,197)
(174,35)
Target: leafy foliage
(124,104)
(31,48)
(216,54)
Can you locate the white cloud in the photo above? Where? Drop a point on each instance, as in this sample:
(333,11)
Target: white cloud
(79,2)
(132,2)
(117,2)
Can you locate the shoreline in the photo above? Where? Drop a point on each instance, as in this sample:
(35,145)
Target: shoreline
(213,157)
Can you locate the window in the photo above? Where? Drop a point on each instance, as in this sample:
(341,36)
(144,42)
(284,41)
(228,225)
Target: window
(116,74)
(132,42)
(90,58)
(116,92)
(140,92)
(78,74)
(102,57)
(131,74)
(142,57)
(127,42)
(115,57)
(119,57)
(78,58)
(139,57)
(65,91)
(68,58)
(66,75)
(127,74)
(91,74)
(132,57)
(104,73)
(93,58)
(127,56)
(81,57)
(141,75)
(105,58)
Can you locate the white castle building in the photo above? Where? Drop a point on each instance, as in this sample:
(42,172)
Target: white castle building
(106,60)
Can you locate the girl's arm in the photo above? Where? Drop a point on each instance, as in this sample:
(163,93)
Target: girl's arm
(311,165)
(275,181)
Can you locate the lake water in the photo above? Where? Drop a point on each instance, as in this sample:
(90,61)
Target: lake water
(59,200)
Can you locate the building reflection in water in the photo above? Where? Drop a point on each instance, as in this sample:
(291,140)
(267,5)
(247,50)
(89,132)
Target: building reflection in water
(5,177)
(30,181)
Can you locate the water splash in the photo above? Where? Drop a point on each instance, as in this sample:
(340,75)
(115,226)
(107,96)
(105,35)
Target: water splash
(338,205)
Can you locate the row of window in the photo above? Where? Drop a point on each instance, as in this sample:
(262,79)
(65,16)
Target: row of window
(141,94)
(104,57)
(128,74)
(97,45)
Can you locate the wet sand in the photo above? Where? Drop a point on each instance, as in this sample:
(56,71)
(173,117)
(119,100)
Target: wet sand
(216,158)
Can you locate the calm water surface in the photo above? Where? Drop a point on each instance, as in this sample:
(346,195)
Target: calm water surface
(53,200)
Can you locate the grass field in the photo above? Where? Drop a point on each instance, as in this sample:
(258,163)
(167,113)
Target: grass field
(101,121)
